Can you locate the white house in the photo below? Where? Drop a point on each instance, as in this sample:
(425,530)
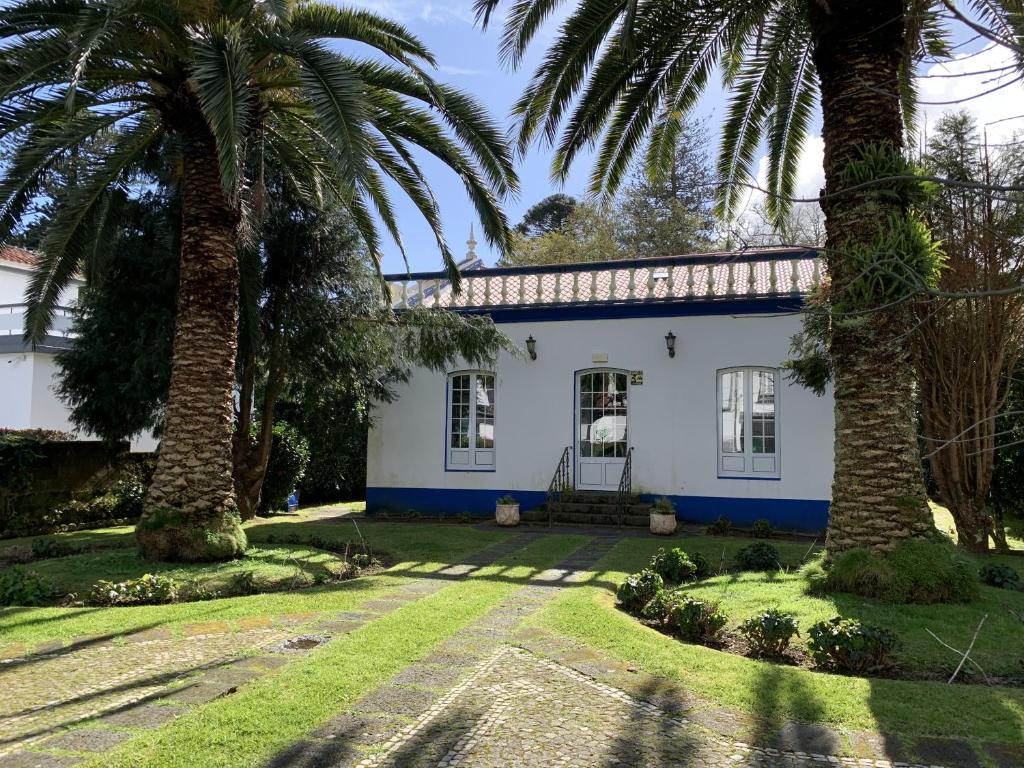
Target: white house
(28,372)
(655,377)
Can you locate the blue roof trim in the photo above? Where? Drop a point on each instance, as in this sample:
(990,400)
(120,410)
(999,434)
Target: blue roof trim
(538,313)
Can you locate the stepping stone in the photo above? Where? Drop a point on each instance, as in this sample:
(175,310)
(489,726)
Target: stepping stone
(878,745)
(351,616)
(806,737)
(87,740)
(263,662)
(948,752)
(341,627)
(230,675)
(383,605)
(144,716)
(316,754)
(366,730)
(38,760)
(199,693)
(723,721)
(397,700)
(453,659)
(428,676)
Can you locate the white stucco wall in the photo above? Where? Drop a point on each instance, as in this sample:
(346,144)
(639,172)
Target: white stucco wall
(16,390)
(672,416)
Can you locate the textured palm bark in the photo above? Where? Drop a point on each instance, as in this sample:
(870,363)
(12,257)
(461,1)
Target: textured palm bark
(190,512)
(878,495)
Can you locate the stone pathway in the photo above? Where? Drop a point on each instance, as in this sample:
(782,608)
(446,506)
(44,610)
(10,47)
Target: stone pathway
(113,686)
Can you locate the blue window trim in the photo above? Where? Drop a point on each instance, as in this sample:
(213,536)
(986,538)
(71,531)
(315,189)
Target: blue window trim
(447,420)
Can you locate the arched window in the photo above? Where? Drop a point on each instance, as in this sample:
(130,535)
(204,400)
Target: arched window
(748,423)
(470,432)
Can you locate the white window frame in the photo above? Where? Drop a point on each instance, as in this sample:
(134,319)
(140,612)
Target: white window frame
(472,458)
(747,464)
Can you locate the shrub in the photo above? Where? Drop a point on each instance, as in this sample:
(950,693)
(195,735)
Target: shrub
(149,589)
(658,609)
(637,590)
(663,506)
(722,526)
(851,646)
(760,556)
(130,490)
(696,620)
(701,565)
(916,571)
(43,549)
(289,457)
(769,633)
(19,586)
(999,575)
(763,529)
(507,499)
(674,565)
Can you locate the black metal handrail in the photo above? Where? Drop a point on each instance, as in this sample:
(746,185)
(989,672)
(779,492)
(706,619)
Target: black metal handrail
(560,483)
(625,487)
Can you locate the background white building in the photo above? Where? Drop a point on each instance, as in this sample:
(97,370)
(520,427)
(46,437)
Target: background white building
(714,426)
(28,372)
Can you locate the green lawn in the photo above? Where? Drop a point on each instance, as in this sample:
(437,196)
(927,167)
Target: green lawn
(414,549)
(273,712)
(776,692)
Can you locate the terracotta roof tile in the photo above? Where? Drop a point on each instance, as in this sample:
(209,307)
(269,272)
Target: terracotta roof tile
(16,255)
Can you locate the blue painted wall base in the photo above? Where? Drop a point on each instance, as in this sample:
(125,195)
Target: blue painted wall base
(784,514)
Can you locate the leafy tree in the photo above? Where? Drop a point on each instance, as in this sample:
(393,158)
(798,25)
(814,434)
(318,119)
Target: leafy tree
(589,233)
(968,342)
(549,215)
(672,213)
(623,77)
(234,85)
(114,379)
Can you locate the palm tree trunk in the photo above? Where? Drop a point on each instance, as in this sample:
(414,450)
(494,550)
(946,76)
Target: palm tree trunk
(190,512)
(878,495)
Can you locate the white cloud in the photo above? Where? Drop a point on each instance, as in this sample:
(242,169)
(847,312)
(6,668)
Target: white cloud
(982,72)
(459,71)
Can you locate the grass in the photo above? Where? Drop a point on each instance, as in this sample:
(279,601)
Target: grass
(415,550)
(273,712)
(273,567)
(776,693)
(945,523)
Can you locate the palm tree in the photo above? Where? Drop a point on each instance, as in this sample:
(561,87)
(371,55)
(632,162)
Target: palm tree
(622,74)
(108,86)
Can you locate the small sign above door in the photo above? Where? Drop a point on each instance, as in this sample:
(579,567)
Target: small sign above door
(636,378)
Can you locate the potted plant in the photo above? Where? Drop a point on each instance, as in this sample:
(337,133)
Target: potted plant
(506,511)
(663,517)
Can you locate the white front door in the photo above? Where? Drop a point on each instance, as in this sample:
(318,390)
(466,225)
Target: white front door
(602,439)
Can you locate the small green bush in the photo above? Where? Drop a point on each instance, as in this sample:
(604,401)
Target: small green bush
(44,549)
(721,526)
(638,589)
(243,583)
(149,589)
(696,620)
(763,529)
(658,609)
(508,498)
(19,586)
(759,556)
(770,633)
(916,571)
(701,564)
(1001,576)
(850,646)
(289,457)
(674,565)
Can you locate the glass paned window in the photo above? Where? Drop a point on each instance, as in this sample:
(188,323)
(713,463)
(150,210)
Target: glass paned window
(603,409)
(748,426)
(471,403)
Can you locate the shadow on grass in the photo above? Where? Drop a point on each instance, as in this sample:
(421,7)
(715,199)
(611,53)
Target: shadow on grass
(20,663)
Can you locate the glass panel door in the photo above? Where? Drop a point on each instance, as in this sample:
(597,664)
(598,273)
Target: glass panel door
(602,428)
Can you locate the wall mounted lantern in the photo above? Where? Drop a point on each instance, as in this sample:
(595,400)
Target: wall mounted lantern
(531,347)
(670,342)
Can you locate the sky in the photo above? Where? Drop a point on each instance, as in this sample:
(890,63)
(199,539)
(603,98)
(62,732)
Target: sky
(468,58)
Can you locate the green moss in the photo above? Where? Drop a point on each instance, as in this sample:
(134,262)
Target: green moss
(168,534)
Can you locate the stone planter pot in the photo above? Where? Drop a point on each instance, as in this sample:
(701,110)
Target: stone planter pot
(663,525)
(506,514)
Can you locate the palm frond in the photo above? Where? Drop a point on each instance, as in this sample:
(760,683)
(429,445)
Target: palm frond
(320,21)
(221,72)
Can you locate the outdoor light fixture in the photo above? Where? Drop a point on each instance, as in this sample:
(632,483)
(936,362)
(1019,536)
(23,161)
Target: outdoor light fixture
(531,347)
(670,342)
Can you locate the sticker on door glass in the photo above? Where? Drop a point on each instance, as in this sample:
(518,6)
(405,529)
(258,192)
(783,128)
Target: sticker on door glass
(636,378)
